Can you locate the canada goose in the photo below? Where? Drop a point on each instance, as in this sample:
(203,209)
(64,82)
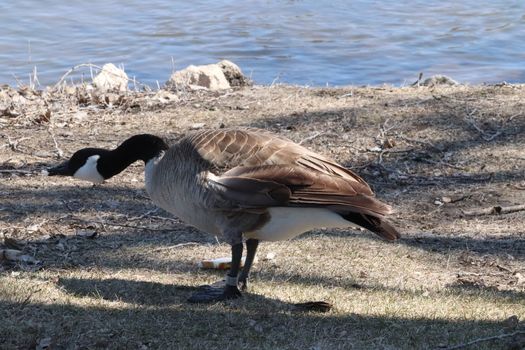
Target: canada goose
(240,183)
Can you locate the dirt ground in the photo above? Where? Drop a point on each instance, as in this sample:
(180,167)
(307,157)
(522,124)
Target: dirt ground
(102,267)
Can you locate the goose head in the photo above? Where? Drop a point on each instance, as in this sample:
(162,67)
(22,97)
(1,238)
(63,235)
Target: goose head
(97,164)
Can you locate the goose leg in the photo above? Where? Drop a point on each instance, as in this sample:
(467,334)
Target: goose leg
(251,249)
(231,290)
(210,294)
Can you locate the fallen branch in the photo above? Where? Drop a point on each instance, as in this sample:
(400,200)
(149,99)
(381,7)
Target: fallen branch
(14,144)
(177,221)
(59,152)
(177,246)
(495,210)
(102,222)
(455,200)
(66,74)
(484,134)
(481,340)
(16,171)
(310,138)
(131,226)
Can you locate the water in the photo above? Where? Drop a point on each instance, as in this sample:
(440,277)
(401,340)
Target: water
(335,42)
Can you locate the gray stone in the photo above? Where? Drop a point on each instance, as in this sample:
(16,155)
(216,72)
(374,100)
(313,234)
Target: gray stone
(439,80)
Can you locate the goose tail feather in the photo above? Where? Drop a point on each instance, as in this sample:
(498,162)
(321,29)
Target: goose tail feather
(377,224)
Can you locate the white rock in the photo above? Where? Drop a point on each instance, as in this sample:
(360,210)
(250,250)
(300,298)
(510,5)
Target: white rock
(111,78)
(209,76)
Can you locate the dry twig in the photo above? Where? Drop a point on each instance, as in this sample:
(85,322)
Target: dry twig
(60,153)
(66,74)
(485,135)
(177,246)
(495,210)
(13,144)
(103,222)
(16,171)
(310,138)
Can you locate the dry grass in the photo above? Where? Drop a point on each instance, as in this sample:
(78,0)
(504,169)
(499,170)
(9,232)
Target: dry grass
(450,280)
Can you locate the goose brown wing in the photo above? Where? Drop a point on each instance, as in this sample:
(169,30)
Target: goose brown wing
(233,151)
(295,186)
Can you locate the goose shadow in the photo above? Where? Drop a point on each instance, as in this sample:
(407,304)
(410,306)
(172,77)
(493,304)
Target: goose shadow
(268,324)
(150,293)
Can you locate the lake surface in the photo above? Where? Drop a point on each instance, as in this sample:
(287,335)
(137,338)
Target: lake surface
(300,42)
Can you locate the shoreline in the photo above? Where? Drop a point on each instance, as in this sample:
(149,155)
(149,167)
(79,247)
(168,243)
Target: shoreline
(38,105)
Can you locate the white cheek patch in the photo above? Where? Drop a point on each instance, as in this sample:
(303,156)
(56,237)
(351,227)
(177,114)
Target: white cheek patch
(89,171)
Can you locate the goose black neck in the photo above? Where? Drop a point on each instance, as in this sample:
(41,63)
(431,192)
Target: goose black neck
(139,147)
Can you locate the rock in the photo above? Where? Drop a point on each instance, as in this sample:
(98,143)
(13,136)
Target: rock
(209,76)
(439,80)
(15,255)
(164,96)
(111,78)
(233,73)
(270,256)
(445,199)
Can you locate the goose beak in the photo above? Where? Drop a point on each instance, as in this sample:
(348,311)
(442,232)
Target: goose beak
(61,169)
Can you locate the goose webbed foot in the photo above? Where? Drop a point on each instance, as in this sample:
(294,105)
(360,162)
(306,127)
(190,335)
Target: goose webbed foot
(212,294)
(229,288)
